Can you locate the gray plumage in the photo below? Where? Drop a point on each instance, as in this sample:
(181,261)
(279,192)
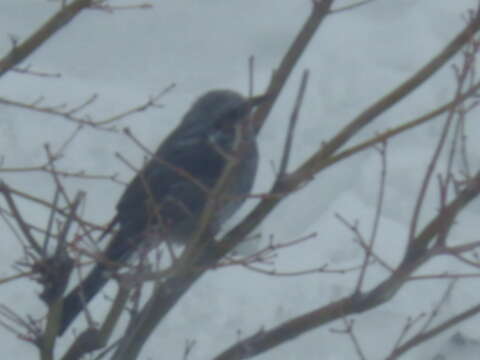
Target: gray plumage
(169,192)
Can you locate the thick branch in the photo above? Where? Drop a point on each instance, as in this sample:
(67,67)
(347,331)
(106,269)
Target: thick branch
(311,166)
(356,303)
(321,8)
(55,23)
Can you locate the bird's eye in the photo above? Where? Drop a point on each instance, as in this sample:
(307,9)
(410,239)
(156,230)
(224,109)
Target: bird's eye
(222,124)
(229,117)
(232,114)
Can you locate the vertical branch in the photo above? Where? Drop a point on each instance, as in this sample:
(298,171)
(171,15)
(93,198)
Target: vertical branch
(376,221)
(320,10)
(287,149)
(463,77)
(251,78)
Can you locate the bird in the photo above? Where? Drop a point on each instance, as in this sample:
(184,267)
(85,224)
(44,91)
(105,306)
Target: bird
(170,192)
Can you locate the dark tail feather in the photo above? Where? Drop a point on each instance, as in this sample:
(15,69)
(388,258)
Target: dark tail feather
(121,247)
(76,300)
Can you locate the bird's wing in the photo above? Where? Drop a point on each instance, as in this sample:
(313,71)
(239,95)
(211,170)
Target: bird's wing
(181,165)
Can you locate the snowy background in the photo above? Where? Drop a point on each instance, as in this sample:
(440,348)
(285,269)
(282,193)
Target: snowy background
(356,57)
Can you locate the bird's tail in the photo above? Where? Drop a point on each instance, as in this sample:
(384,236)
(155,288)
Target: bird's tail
(76,300)
(117,252)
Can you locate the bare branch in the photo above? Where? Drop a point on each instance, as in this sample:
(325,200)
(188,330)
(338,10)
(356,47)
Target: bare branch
(291,127)
(54,24)
(320,10)
(18,217)
(421,338)
(316,162)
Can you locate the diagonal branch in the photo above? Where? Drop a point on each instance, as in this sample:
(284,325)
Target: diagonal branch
(356,303)
(311,166)
(320,10)
(55,23)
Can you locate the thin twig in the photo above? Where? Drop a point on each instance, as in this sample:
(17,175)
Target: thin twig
(18,217)
(291,127)
(376,219)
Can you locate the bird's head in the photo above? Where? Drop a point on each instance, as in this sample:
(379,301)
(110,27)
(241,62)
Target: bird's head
(220,109)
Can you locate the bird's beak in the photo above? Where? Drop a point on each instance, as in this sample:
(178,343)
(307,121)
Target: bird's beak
(258,100)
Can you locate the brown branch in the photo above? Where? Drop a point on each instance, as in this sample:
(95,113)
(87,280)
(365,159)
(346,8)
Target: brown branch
(178,284)
(152,102)
(292,125)
(421,338)
(418,245)
(351,6)
(54,24)
(376,219)
(82,174)
(49,205)
(359,238)
(420,200)
(462,75)
(26,70)
(383,292)
(18,217)
(409,324)
(319,270)
(111,8)
(402,128)
(11,321)
(349,324)
(317,161)
(70,114)
(444,276)
(320,10)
